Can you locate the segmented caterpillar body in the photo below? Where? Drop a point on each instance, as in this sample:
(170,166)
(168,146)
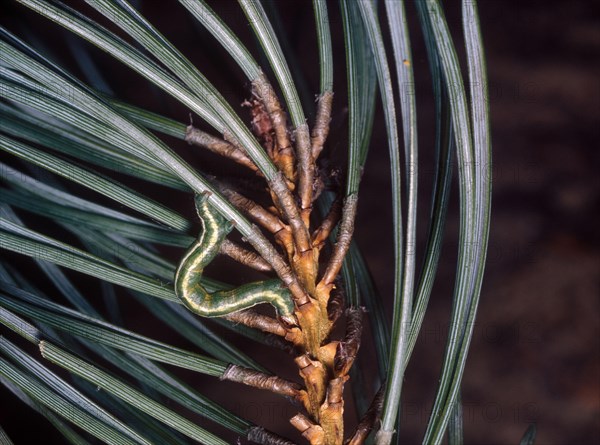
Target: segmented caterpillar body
(188,284)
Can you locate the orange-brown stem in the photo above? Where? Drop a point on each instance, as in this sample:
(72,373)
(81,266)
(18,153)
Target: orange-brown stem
(319,236)
(219,146)
(344,237)
(281,343)
(321,128)
(255,320)
(258,213)
(332,412)
(314,375)
(306,266)
(310,431)
(326,354)
(323,363)
(336,304)
(281,268)
(262,126)
(315,325)
(306,172)
(269,325)
(290,210)
(259,435)
(369,420)
(347,349)
(257,379)
(244,256)
(262,216)
(283,156)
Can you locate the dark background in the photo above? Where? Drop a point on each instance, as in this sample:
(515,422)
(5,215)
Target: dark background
(535,352)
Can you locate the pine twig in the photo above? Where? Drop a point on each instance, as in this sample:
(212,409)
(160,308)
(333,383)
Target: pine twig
(258,321)
(266,324)
(314,374)
(261,436)
(256,212)
(244,256)
(332,410)
(281,268)
(337,301)
(219,146)
(321,234)
(257,379)
(306,172)
(348,348)
(321,128)
(260,215)
(290,210)
(344,237)
(367,423)
(311,432)
(283,156)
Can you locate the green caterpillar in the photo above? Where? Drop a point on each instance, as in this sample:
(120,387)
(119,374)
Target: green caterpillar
(188,284)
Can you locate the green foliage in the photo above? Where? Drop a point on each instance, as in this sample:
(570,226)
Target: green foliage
(91,222)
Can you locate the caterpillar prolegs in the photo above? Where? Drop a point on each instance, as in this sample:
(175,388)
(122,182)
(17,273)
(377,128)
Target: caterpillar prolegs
(188,284)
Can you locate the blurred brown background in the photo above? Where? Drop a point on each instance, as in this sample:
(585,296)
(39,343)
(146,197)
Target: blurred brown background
(536,348)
